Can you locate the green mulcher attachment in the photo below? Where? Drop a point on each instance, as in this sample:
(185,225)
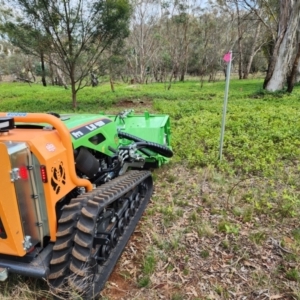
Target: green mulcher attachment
(149,135)
(146,129)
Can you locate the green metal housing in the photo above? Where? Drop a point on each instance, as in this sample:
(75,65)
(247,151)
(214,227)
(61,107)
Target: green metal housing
(100,132)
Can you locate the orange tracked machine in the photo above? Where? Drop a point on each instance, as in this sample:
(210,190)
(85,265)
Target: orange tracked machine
(73,188)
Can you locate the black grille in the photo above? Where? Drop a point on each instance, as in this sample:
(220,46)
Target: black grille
(2,231)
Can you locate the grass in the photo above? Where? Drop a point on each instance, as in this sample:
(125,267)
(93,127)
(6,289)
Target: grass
(148,268)
(37,98)
(208,230)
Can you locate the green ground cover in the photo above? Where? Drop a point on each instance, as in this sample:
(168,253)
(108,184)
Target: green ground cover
(262,129)
(208,220)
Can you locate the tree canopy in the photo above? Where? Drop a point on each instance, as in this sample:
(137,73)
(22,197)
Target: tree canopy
(152,40)
(72,34)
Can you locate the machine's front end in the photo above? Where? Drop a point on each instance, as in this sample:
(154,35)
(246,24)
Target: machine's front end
(23,213)
(34,178)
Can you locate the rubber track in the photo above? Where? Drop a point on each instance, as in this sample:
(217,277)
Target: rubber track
(83,241)
(59,264)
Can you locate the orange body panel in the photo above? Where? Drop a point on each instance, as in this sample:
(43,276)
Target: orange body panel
(59,180)
(52,148)
(9,210)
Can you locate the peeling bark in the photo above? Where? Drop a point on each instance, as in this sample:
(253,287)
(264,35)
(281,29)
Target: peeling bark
(292,77)
(281,60)
(298,73)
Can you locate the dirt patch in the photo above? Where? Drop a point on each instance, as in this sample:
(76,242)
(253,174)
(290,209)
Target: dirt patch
(137,105)
(122,281)
(125,103)
(117,286)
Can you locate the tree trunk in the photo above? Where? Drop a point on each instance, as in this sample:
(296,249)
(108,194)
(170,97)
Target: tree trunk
(282,56)
(43,70)
(112,87)
(57,75)
(175,71)
(240,58)
(291,80)
(182,75)
(28,70)
(298,73)
(111,80)
(253,52)
(74,93)
(240,44)
(74,100)
(60,78)
(51,69)
(184,61)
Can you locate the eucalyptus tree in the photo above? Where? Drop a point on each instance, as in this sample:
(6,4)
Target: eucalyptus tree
(29,40)
(143,40)
(298,73)
(159,39)
(176,43)
(5,12)
(177,32)
(234,9)
(76,32)
(284,47)
(211,37)
(246,32)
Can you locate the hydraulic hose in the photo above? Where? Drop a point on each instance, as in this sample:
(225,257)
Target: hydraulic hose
(134,138)
(157,148)
(130,137)
(142,144)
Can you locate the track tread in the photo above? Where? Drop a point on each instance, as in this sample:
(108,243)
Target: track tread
(84,238)
(67,229)
(64,241)
(68,225)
